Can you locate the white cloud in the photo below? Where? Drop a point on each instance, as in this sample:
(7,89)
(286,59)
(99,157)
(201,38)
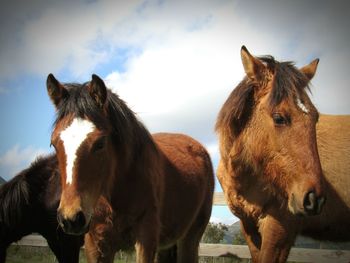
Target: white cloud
(184,57)
(180,83)
(79,36)
(63,35)
(213,149)
(16,159)
(186,51)
(166,79)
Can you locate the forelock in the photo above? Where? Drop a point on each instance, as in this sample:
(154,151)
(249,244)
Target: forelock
(288,81)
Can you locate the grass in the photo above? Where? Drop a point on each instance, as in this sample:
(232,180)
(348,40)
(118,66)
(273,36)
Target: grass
(21,254)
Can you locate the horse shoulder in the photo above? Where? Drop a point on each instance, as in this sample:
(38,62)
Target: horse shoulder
(242,192)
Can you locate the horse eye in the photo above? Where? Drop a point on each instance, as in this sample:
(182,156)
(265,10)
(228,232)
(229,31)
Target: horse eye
(278,119)
(98,145)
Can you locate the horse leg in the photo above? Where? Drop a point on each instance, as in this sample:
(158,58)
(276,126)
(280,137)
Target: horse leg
(147,238)
(91,250)
(94,254)
(145,249)
(3,254)
(188,246)
(167,255)
(278,236)
(253,238)
(188,249)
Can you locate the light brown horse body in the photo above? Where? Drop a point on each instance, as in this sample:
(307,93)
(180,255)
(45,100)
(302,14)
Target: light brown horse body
(333,139)
(270,169)
(124,185)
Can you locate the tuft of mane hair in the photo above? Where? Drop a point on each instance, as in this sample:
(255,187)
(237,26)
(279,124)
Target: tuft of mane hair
(16,194)
(79,104)
(288,82)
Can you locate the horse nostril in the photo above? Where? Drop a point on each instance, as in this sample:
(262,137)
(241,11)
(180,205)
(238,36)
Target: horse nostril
(309,201)
(313,204)
(72,225)
(80,220)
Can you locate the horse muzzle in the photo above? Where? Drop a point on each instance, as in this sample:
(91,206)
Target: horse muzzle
(75,225)
(312,204)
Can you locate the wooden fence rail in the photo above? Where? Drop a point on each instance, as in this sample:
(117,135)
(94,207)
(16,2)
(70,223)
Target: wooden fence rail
(295,255)
(237,251)
(219,199)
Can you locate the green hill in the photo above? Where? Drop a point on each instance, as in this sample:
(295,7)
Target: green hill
(2,180)
(232,231)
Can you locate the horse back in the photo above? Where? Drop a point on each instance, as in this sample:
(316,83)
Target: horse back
(188,183)
(333,141)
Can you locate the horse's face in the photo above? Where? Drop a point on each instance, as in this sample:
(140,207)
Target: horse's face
(280,137)
(85,157)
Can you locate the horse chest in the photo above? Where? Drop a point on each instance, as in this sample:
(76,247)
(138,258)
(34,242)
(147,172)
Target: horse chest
(243,208)
(244,195)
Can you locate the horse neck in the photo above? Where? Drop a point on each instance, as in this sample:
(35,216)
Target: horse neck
(134,148)
(138,144)
(141,171)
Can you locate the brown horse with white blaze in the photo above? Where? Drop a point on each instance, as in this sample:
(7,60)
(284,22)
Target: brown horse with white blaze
(154,192)
(270,169)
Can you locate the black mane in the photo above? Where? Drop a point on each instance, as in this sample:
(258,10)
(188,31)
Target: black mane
(17,195)
(14,195)
(236,111)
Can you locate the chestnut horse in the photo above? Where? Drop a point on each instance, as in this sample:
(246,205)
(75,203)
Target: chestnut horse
(28,203)
(270,169)
(157,189)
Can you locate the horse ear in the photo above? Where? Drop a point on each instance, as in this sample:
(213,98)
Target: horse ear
(310,70)
(253,67)
(56,90)
(98,90)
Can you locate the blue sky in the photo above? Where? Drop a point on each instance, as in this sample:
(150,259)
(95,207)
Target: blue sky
(173,62)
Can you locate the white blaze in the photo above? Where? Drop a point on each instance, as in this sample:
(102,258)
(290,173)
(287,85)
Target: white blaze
(72,137)
(302,106)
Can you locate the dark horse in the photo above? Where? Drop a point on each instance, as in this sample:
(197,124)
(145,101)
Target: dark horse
(28,203)
(270,168)
(157,190)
